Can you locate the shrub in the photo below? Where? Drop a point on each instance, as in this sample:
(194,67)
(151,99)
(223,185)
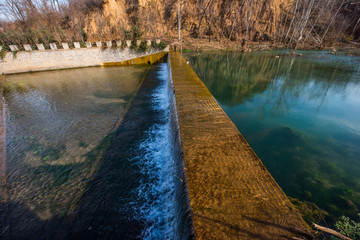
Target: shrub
(15,53)
(144,47)
(136,33)
(127,34)
(133,45)
(114,45)
(3,53)
(133,34)
(159,46)
(348,227)
(104,46)
(45,36)
(123,44)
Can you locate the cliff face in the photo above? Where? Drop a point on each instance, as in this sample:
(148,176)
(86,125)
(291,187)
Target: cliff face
(290,22)
(158,18)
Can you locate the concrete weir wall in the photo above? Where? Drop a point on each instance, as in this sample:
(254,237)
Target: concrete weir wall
(186,230)
(232,195)
(39,60)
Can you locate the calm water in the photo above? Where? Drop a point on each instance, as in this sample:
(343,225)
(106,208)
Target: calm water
(90,155)
(301,115)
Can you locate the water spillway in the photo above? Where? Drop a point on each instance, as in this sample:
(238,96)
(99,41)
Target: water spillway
(147,180)
(134,185)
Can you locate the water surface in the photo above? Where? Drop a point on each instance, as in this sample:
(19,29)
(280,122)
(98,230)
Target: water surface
(91,155)
(300,115)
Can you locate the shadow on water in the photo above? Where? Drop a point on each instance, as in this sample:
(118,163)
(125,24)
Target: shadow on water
(134,192)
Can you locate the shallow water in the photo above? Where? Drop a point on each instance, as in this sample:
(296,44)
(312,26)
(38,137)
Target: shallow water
(91,155)
(299,114)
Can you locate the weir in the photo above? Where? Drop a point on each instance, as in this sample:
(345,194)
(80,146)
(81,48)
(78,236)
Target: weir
(174,167)
(232,195)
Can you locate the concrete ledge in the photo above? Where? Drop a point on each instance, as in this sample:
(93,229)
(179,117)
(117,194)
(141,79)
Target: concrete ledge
(232,195)
(148,59)
(32,61)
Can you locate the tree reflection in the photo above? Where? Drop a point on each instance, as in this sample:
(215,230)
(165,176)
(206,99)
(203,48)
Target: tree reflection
(299,114)
(237,77)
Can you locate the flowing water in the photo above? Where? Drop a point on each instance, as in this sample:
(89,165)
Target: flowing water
(300,114)
(92,154)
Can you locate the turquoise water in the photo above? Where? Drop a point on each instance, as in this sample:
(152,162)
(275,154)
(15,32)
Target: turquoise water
(300,114)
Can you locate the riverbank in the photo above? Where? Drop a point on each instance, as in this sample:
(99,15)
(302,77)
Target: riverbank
(202,44)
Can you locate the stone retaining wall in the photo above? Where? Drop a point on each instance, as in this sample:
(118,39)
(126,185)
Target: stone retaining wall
(40,60)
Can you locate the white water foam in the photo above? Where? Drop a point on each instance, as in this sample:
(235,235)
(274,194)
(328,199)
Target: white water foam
(156,203)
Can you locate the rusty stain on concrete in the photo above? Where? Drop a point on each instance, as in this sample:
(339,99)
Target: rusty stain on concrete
(232,195)
(148,59)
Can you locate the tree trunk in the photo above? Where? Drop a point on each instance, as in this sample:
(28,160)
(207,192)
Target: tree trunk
(292,20)
(355,26)
(233,24)
(307,16)
(332,21)
(179,19)
(248,22)
(283,31)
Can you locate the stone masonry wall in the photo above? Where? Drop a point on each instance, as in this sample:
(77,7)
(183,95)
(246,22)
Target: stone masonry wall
(39,60)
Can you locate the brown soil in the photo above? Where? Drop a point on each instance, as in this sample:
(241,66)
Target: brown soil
(201,44)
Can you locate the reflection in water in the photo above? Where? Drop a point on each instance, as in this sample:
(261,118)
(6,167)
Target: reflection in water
(57,127)
(79,167)
(301,116)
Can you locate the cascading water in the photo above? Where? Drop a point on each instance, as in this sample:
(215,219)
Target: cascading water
(156,204)
(147,196)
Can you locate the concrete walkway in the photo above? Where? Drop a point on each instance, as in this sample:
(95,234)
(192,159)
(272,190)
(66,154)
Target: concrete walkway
(232,195)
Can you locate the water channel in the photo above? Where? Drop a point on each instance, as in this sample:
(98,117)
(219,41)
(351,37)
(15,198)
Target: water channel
(91,154)
(301,115)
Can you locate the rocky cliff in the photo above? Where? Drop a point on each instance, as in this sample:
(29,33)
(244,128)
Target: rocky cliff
(241,20)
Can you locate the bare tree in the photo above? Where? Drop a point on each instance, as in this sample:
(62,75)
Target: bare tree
(180,6)
(292,20)
(237,13)
(353,31)
(327,29)
(248,21)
